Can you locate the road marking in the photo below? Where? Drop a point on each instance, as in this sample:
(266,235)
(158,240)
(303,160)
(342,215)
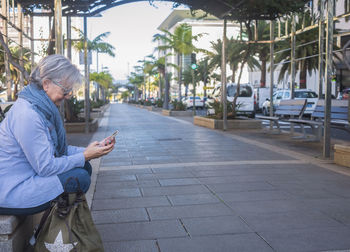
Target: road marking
(191,164)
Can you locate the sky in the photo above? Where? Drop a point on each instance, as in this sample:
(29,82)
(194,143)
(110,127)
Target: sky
(132,27)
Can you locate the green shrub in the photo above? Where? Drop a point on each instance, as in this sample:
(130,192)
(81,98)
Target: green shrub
(159,103)
(178,105)
(147,103)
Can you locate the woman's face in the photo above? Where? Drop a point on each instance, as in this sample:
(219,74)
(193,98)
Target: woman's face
(57,92)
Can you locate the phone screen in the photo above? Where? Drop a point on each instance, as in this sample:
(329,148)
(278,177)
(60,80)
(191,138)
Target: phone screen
(115,133)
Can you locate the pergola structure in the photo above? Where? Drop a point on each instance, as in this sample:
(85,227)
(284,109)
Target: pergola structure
(243,11)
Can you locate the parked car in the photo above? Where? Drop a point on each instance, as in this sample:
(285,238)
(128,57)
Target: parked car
(285,94)
(199,103)
(245,101)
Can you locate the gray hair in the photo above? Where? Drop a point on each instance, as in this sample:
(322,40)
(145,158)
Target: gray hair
(57,68)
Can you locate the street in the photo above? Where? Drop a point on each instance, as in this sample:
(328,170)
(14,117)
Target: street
(173,186)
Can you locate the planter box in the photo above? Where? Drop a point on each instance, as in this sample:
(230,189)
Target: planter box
(156,109)
(342,155)
(176,113)
(79,127)
(231,124)
(93,114)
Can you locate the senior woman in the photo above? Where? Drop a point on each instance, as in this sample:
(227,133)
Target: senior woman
(35,160)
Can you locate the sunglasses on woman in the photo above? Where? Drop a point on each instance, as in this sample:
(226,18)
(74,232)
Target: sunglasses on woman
(66,91)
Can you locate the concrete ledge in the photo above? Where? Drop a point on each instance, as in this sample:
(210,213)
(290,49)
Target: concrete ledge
(156,109)
(342,155)
(93,114)
(176,113)
(79,127)
(15,233)
(231,124)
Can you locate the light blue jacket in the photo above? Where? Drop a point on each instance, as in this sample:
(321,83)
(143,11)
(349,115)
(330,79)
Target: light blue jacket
(28,167)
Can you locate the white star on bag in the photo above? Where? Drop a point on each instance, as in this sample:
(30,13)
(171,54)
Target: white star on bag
(59,246)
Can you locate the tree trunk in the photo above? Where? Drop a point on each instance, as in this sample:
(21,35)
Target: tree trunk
(263,73)
(303,74)
(234,69)
(51,47)
(180,73)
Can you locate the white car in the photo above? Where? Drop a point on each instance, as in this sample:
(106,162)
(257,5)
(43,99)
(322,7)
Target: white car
(199,103)
(285,94)
(245,101)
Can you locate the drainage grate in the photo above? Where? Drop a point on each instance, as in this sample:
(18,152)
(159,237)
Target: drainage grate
(169,139)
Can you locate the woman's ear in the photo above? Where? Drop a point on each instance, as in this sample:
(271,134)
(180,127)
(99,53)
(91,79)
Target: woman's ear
(46,84)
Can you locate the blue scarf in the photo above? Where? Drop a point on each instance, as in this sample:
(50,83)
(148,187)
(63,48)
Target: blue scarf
(49,113)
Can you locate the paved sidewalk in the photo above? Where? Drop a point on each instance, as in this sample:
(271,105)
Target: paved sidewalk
(173,186)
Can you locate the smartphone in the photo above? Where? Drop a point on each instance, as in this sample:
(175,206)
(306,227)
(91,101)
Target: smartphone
(107,140)
(115,133)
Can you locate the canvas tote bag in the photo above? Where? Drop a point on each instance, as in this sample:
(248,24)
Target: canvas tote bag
(68,226)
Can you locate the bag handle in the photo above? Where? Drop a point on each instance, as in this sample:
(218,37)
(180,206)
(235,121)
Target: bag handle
(76,180)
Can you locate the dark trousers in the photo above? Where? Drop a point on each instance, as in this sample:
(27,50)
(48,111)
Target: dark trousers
(83,175)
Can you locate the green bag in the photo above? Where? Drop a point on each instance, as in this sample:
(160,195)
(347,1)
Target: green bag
(68,226)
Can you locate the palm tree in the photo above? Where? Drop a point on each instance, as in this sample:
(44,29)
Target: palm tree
(181,42)
(235,55)
(96,45)
(136,79)
(306,63)
(203,73)
(104,79)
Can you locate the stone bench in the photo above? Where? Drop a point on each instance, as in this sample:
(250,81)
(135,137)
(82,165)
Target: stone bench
(15,232)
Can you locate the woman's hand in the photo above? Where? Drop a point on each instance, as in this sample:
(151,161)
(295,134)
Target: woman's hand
(95,150)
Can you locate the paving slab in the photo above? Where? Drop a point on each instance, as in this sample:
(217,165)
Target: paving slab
(215,225)
(105,204)
(241,187)
(174,190)
(175,212)
(193,199)
(288,220)
(309,239)
(141,230)
(134,246)
(120,215)
(222,243)
(104,193)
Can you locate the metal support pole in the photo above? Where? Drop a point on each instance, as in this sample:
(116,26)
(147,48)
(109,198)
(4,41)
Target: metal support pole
(21,63)
(87,82)
(69,38)
(272,37)
(194,93)
(321,49)
(32,41)
(59,38)
(292,56)
(223,76)
(58,27)
(13,13)
(166,82)
(279,28)
(4,9)
(328,79)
